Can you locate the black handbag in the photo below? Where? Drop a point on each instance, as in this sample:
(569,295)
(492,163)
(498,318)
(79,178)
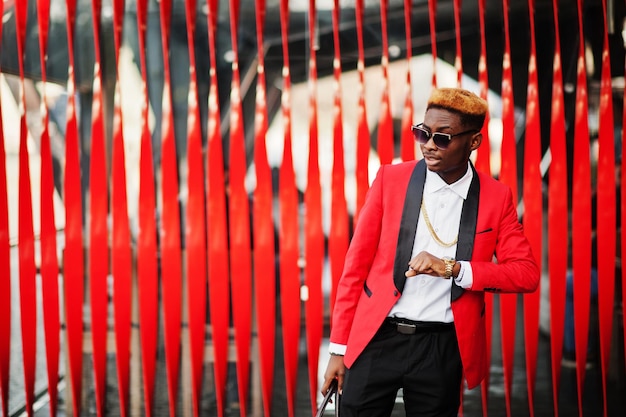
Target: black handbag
(331,396)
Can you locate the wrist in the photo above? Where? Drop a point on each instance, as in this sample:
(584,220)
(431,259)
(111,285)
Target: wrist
(449,265)
(456,269)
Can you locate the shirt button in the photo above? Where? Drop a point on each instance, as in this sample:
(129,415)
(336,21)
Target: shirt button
(395,293)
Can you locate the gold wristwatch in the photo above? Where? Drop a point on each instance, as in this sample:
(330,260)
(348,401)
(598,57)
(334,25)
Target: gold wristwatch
(449,262)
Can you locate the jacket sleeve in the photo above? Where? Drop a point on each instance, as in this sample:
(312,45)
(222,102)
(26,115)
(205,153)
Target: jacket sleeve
(359,259)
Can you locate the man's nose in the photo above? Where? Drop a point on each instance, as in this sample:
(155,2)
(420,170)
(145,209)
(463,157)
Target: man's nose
(430,144)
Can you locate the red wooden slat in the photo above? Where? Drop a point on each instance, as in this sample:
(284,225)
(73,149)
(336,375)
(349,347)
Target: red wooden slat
(26,235)
(458,60)
(98,233)
(27,272)
(483,163)
(239,222)
(458,64)
(623,205)
(407,144)
(171,263)
(314,234)
(533,210)
(49,260)
(606,214)
(314,255)
(120,234)
(73,264)
(581,217)
(196,221)
(484,386)
(121,264)
(508,175)
(118,21)
(147,269)
(264,239)
(338,238)
(217,250)
(289,270)
(558,231)
(483,154)
(289,239)
(49,270)
(508,170)
(5,271)
(432,19)
(385,122)
(363,135)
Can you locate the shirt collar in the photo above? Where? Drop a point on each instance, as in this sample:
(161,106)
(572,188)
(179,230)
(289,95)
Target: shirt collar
(461,187)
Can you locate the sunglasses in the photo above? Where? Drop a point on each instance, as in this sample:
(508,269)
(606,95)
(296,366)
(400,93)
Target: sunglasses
(441,140)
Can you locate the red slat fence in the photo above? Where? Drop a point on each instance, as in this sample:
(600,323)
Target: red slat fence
(199,279)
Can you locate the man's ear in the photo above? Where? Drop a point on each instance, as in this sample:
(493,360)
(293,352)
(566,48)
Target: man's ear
(476,141)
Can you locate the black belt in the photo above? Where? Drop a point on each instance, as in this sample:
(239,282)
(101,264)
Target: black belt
(406,326)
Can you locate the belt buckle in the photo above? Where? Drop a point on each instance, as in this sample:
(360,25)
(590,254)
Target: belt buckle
(405,328)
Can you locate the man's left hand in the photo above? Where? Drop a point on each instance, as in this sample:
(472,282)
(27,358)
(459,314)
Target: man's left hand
(426,263)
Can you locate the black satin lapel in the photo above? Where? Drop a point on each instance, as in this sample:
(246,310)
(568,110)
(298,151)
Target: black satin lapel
(408,224)
(467,229)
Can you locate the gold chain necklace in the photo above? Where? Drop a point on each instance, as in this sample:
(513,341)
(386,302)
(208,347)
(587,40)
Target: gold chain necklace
(432,231)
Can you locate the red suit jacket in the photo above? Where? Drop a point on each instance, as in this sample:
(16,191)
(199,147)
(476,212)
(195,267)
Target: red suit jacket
(373,276)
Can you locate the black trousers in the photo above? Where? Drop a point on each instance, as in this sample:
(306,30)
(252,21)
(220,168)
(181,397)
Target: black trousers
(426,365)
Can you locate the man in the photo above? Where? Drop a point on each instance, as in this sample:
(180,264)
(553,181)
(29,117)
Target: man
(409,310)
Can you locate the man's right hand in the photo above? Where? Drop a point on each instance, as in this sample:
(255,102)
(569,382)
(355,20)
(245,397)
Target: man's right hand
(334,370)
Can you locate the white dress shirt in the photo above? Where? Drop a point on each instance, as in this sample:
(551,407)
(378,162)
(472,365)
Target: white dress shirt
(427,298)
